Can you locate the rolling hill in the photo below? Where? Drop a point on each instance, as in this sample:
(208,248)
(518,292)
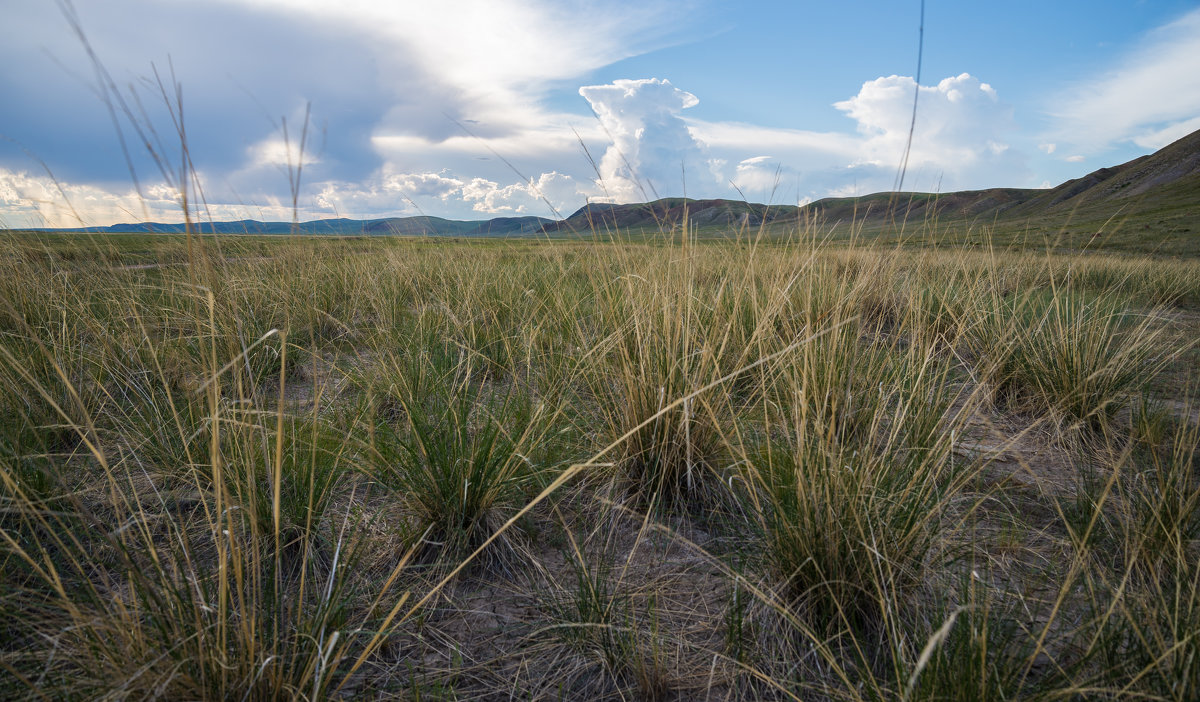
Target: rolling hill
(1149,203)
(409,226)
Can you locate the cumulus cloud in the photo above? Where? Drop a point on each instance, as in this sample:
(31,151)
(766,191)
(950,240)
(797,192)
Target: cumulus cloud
(392,194)
(28,200)
(394,84)
(652,149)
(960,141)
(436,185)
(32,201)
(649,147)
(385,194)
(960,122)
(549,190)
(1153,93)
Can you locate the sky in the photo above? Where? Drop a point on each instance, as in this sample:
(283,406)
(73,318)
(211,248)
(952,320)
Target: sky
(472,109)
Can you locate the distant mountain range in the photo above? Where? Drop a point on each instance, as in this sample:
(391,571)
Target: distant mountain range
(1163,188)
(408,226)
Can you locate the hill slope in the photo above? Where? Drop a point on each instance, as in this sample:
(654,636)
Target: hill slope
(669,212)
(1149,203)
(1173,170)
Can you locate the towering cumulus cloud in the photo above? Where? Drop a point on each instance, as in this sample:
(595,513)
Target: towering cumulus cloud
(652,150)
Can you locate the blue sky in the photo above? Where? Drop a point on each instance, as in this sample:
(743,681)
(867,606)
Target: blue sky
(471,109)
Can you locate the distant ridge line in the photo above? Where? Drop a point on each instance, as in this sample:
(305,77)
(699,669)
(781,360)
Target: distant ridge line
(1167,179)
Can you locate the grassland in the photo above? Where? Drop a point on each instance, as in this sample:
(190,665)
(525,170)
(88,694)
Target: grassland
(778,468)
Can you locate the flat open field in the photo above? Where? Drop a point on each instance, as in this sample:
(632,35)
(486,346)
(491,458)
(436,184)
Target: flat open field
(281,467)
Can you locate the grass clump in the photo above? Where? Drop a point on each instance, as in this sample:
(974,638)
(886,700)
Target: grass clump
(681,322)
(669,454)
(457,454)
(210,595)
(849,492)
(1075,356)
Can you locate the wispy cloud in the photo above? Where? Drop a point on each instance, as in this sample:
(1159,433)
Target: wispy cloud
(1149,97)
(485,62)
(1158,138)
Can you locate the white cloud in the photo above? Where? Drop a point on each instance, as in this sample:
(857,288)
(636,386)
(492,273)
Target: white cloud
(1077,158)
(647,148)
(474,95)
(759,177)
(28,200)
(960,122)
(484,63)
(647,141)
(652,150)
(480,45)
(405,194)
(960,141)
(397,83)
(751,137)
(1157,138)
(275,151)
(384,194)
(436,185)
(41,201)
(537,197)
(1153,93)
(1048,148)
